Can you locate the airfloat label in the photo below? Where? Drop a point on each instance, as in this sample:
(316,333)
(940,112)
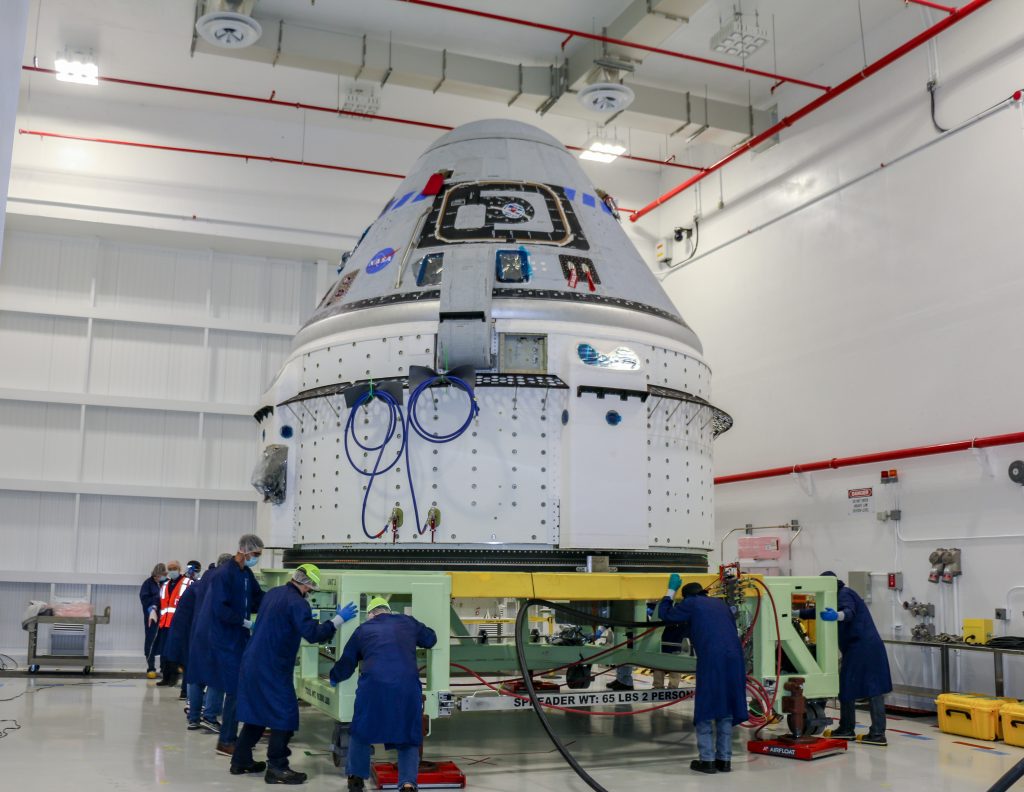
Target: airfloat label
(380,260)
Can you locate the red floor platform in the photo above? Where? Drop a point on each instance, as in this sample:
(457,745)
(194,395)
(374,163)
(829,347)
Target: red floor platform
(432,775)
(806,751)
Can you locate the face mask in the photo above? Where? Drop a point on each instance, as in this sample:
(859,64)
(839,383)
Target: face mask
(163,578)
(251,562)
(174,574)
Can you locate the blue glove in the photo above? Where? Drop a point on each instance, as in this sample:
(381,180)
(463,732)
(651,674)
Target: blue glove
(598,633)
(347,613)
(829,615)
(675,582)
(333,683)
(650,612)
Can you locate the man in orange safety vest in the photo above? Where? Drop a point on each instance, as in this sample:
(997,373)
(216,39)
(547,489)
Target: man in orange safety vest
(170,593)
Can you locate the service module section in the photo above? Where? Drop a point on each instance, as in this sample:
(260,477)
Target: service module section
(860,501)
(579,700)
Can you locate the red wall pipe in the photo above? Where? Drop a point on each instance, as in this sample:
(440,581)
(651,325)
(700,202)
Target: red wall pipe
(955,16)
(211,153)
(317,108)
(871,459)
(618,42)
(929,4)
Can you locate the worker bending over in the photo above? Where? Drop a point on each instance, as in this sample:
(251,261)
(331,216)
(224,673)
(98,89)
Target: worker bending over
(721,701)
(266,699)
(864,671)
(389,700)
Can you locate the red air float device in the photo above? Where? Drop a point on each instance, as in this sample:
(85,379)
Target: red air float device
(432,775)
(797,746)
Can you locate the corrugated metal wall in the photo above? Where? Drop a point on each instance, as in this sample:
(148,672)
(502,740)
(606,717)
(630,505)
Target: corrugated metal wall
(129,375)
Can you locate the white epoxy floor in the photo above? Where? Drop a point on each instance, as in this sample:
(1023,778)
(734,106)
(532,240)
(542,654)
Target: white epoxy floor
(127,734)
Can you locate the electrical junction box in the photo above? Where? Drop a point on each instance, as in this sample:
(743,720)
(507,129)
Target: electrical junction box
(861,583)
(663,251)
(895,581)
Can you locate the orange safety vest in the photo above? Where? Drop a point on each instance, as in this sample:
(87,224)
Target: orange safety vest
(169,596)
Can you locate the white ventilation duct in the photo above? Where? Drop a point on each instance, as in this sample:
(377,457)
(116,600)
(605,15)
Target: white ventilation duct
(229,23)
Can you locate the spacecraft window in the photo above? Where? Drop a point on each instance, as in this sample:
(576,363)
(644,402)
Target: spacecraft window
(430,270)
(513,266)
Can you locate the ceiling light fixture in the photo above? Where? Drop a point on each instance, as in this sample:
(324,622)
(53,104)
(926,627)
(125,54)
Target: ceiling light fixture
(738,38)
(77,67)
(602,149)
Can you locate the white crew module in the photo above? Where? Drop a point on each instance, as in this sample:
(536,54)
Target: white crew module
(495,303)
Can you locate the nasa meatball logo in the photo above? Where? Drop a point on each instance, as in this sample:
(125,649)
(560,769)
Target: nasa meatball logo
(514,211)
(380,260)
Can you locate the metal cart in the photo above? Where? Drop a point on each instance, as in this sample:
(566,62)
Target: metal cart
(84,661)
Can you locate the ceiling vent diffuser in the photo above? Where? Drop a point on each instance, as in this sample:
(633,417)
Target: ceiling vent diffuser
(229,24)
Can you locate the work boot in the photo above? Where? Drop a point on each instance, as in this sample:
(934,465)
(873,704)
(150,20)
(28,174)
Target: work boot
(355,784)
(285,776)
(840,734)
(225,749)
(194,726)
(407,788)
(874,739)
(255,767)
(703,767)
(616,685)
(723,765)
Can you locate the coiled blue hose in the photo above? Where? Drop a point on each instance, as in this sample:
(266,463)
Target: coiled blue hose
(413,422)
(396,421)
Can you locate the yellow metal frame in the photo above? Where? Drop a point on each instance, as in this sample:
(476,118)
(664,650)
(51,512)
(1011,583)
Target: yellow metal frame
(634,586)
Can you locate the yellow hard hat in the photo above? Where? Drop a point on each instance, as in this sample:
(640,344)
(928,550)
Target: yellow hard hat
(377,602)
(312,573)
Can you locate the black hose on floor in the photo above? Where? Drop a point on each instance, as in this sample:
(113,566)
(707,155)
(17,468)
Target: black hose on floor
(524,670)
(1009,778)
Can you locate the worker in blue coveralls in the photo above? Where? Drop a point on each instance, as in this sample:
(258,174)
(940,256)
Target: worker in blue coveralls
(149,596)
(204,702)
(222,625)
(266,695)
(864,670)
(389,699)
(721,701)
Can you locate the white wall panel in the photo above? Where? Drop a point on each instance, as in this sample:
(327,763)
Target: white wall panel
(242,365)
(141,447)
(39,440)
(229,451)
(257,289)
(51,269)
(148,360)
(42,352)
(220,525)
(126,535)
(37,531)
(134,276)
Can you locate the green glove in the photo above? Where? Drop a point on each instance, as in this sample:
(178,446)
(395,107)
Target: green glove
(675,582)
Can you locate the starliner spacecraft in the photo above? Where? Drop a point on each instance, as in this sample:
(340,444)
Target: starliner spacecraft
(496,377)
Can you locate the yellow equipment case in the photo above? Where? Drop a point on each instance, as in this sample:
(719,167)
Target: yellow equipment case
(1012,716)
(972,715)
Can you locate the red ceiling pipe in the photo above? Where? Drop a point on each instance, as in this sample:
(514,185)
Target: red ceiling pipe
(211,153)
(955,16)
(317,108)
(618,42)
(930,4)
(882,456)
